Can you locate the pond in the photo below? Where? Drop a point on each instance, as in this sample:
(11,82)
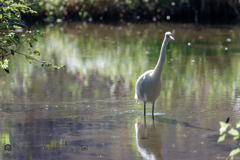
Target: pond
(88,110)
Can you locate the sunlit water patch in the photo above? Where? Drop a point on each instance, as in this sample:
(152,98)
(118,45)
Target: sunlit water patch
(155,114)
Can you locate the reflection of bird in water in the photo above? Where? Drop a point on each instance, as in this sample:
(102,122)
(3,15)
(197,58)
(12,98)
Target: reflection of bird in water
(148,85)
(149,141)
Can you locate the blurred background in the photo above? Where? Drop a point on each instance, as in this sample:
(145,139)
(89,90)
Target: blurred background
(123,11)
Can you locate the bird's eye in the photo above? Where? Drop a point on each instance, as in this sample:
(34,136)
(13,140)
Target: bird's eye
(168,36)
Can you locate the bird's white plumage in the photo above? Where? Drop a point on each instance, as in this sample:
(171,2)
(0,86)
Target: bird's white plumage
(148,85)
(147,89)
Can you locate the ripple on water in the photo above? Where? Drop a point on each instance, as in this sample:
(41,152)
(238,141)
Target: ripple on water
(155,114)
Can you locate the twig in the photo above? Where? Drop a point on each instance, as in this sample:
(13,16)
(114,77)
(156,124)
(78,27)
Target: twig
(5,55)
(25,55)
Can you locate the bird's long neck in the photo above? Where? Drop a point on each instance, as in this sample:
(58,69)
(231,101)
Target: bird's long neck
(159,67)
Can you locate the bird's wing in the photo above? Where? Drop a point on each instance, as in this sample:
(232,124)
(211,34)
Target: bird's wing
(140,79)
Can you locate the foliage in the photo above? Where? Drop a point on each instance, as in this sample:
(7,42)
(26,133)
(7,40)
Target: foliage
(198,11)
(11,33)
(234,132)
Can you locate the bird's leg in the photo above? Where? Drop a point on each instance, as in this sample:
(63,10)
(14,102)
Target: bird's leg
(153,111)
(144,121)
(144,108)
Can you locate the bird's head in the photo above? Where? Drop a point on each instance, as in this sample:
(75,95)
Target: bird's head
(168,36)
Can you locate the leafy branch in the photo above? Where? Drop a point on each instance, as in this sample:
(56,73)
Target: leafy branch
(10,21)
(233,132)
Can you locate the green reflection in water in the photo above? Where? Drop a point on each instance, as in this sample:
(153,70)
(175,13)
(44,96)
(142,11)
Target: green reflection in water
(197,61)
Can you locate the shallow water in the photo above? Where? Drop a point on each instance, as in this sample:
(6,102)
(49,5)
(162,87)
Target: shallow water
(88,111)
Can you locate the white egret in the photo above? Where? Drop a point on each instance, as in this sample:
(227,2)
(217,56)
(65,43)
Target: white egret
(148,85)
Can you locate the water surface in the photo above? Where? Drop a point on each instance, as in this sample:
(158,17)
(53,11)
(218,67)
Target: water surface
(52,114)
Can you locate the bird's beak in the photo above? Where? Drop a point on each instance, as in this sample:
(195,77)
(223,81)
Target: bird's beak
(172,38)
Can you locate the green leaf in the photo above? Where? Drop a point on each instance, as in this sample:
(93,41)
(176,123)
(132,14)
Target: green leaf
(9,41)
(41,3)
(17,27)
(12,52)
(85,14)
(237,124)
(16,37)
(16,23)
(29,59)
(235,138)
(34,38)
(222,138)
(36,52)
(233,132)
(4,9)
(4,65)
(224,127)
(50,19)
(31,55)
(40,33)
(19,5)
(234,152)
(48,64)
(4,50)
(62,67)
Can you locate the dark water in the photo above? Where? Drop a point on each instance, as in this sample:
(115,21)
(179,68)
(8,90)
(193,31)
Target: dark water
(88,111)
